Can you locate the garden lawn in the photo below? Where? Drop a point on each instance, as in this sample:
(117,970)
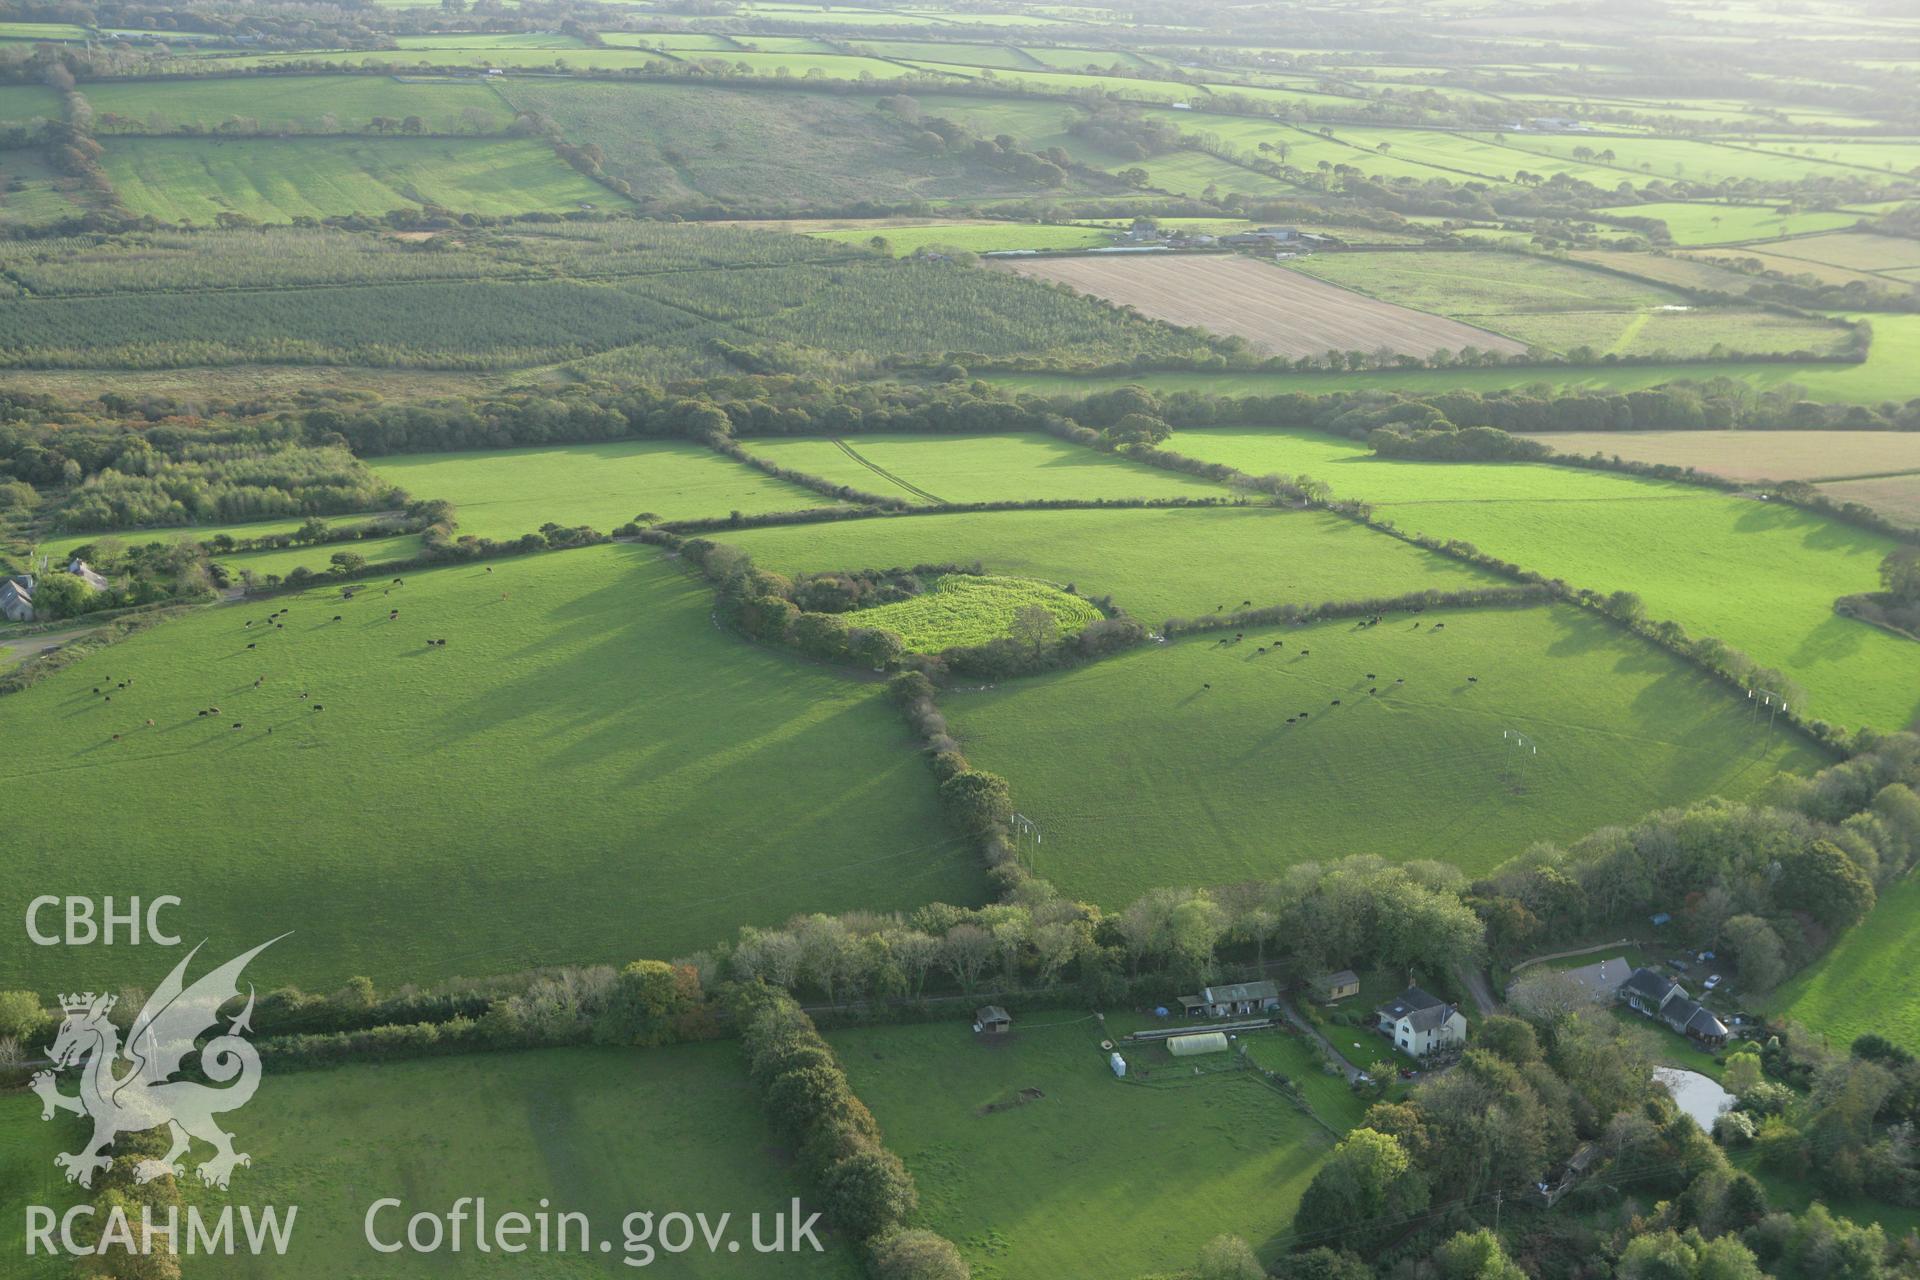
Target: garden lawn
(1096,1168)
(586,746)
(978,468)
(194,180)
(1761,577)
(1176,765)
(503,493)
(965,609)
(1866,982)
(603,1132)
(1155,564)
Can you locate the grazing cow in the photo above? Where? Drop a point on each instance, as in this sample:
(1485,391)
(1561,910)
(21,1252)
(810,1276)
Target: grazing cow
(249,624)
(1372,676)
(1473,679)
(253,646)
(1206,686)
(318,707)
(1336,702)
(1373,690)
(489,568)
(213,711)
(1439,626)
(239,725)
(201,714)
(149,724)
(336,617)
(1303,715)
(394,614)
(96,688)
(396,582)
(116,737)
(1305,652)
(1400,680)
(1259,651)
(258,681)
(106,697)
(1245,603)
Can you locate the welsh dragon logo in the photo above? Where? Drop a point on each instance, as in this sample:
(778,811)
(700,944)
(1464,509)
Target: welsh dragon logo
(144,1096)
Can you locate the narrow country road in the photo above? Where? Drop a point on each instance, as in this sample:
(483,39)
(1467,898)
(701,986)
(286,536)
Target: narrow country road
(1473,979)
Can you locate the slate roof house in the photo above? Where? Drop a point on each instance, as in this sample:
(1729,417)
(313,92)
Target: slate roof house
(1659,997)
(16,598)
(1420,1023)
(85,572)
(1232,1000)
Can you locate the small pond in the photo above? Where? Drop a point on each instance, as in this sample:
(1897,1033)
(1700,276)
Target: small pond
(1699,1096)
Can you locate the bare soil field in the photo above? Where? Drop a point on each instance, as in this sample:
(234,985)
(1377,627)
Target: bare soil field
(1279,312)
(1895,497)
(1753,455)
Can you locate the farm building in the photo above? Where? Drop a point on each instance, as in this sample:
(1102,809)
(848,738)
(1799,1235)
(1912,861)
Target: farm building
(1657,996)
(85,572)
(1561,1178)
(16,598)
(992,1020)
(1231,1000)
(1200,1042)
(1421,1023)
(1329,987)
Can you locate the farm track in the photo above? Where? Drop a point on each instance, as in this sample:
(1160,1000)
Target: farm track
(888,476)
(1278,311)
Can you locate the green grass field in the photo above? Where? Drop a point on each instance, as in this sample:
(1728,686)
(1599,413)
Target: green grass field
(690,144)
(1762,578)
(1561,306)
(28,102)
(276,180)
(31,192)
(1139,775)
(317,559)
(962,609)
(61,545)
(977,468)
(1863,984)
(1093,1169)
(1883,376)
(300,103)
(1707,223)
(975,237)
(503,493)
(29,1176)
(1155,564)
(585,725)
(603,1132)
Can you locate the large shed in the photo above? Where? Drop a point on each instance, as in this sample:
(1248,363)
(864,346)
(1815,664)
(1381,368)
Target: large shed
(992,1020)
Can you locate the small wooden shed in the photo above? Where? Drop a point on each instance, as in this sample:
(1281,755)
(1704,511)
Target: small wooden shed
(992,1020)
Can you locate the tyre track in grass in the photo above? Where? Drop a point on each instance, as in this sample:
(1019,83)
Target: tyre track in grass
(888,476)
